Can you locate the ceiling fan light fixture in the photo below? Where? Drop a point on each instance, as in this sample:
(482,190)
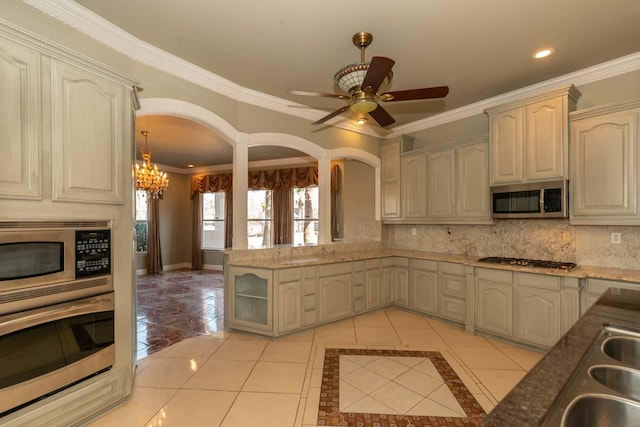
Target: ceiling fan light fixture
(364,106)
(543,53)
(361,121)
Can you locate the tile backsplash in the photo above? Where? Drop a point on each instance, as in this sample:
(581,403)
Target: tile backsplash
(538,239)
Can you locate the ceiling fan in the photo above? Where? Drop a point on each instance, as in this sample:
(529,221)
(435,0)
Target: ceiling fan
(361,83)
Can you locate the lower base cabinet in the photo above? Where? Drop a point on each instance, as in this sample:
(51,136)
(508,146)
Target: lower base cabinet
(423,286)
(251,300)
(494,301)
(538,316)
(289,307)
(334,292)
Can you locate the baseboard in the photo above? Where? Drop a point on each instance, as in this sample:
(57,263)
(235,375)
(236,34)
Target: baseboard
(141,272)
(212,267)
(176,266)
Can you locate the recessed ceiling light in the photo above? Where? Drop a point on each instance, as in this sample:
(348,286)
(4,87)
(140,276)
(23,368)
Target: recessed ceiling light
(361,120)
(189,166)
(543,53)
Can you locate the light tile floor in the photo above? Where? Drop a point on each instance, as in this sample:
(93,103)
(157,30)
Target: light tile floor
(233,379)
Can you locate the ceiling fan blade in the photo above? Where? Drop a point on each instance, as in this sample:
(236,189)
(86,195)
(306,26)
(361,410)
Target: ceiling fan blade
(411,94)
(381,116)
(322,94)
(329,116)
(378,71)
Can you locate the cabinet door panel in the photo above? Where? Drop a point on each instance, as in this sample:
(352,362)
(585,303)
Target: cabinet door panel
(604,167)
(401,289)
(335,297)
(20,143)
(89,130)
(414,186)
(390,165)
(289,307)
(506,146)
(453,308)
(441,178)
(494,307)
(388,284)
(373,289)
(545,136)
(473,182)
(538,314)
(424,291)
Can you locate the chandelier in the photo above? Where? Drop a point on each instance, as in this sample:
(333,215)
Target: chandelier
(148,177)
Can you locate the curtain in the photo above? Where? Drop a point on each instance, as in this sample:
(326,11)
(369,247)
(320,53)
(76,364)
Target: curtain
(280,181)
(335,202)
(154,253)
(196,233)
(228,218)
(282,216)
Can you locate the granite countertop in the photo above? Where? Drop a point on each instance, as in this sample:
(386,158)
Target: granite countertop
(529,401)
(581,272)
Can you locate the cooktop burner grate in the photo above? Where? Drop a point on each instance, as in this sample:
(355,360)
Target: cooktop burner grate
(566,266)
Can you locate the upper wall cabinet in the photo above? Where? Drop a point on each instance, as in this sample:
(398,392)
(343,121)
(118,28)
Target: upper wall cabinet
(20,136)
(605,165)
(414,185)
(390,160)
(529,139)
(88,131)
(65,124)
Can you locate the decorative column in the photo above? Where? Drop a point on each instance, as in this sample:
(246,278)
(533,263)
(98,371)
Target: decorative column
(240,184)
(324,202)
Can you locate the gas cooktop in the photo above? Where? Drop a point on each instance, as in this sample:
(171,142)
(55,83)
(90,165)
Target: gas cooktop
(566,266)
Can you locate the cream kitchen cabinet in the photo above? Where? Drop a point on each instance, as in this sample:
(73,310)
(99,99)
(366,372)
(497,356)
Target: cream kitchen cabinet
(529,139)
(441,179)
(296,298)
(538,309)
(89,114)
(373,284)
(335,292)
(606,165)
(458,188)
(494,301)
(414,186)
(20,122)
(251,305)
(390,165)
(452,286)
(423,286)
(396,280)
(359,287)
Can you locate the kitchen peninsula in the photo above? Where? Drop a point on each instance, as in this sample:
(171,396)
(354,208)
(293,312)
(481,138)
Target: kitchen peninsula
(282,290)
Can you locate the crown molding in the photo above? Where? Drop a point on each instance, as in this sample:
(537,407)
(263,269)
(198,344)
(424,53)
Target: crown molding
(98,28)
(288,162)
(87,22)
(587,75)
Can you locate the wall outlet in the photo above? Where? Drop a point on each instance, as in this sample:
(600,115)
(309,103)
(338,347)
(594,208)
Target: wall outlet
(413,232)
(615,238)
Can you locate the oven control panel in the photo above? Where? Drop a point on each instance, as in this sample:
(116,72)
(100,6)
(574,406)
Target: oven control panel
(93,253)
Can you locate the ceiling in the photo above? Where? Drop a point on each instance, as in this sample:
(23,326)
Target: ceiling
(479,48)
(178,142)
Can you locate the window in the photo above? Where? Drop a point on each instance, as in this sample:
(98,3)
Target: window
(142,212)
(213,220)
(259,218)
(305,215)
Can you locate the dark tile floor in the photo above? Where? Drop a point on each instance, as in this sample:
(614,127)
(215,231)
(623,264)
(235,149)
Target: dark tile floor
(175,305)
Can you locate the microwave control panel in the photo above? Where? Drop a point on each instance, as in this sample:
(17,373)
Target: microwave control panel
(93,253)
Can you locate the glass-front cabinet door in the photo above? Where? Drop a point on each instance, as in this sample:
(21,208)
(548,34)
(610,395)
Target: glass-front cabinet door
(251,299)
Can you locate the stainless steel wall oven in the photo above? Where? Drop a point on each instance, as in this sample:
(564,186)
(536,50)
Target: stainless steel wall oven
(56,307)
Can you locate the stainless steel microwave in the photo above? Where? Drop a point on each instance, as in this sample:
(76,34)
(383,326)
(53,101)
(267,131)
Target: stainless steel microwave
(532,200)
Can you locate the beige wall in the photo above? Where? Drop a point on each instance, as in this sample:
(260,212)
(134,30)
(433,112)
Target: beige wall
(176,220)
(359,202)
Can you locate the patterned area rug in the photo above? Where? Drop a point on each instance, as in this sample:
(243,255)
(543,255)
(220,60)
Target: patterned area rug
(178,304)
(430,401)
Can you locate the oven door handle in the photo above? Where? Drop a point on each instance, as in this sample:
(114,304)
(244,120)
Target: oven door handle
(26,319)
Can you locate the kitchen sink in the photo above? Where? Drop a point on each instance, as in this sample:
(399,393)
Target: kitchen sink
(623,380)
(601,411)
(623,349)
(604,388)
